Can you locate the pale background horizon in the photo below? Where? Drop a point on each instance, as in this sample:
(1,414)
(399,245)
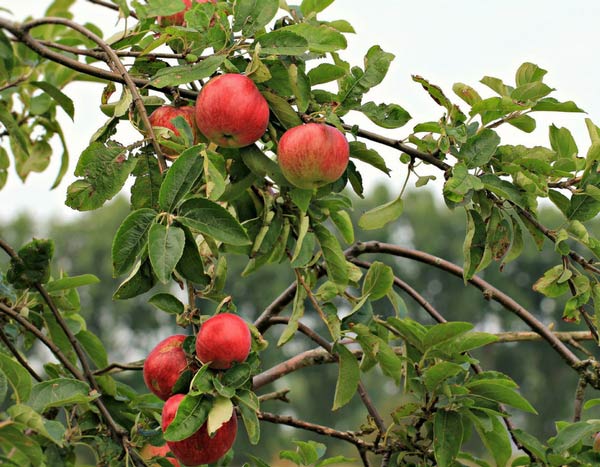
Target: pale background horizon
(445,42)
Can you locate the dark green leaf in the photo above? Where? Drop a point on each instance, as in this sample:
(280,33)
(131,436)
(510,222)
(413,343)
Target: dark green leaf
(191,415)
(284,112)
(209,218)
(359,150)
(167,302)
(572,434)
(130,239)
(378,281)
(334,256)
(32,264)
(500,393)
(443,332)
(439,372)
(59,392)
(474,244)
(183,74)
(496,441)
(17,377)
(190,265)
(282,42)
(583,208)
(250,16)
(180,178)
(321,39)
(388,116)
(479,149)
(104,169)
(165,247)
(141,279)
(61,98)
(447,437)
(325,72)
(348,376)
(93,347)
(145,190)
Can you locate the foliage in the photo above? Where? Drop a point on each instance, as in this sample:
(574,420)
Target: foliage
(191,216)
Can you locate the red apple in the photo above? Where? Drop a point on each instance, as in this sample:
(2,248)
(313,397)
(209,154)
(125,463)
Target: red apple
(149,451)
(231,111)
(163,118)
(313,155)
(178,19)
(199,448)
(164,365)
(222,340)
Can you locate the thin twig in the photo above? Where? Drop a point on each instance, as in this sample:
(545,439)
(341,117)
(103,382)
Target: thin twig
(4,338)
(119,367)
(579,396)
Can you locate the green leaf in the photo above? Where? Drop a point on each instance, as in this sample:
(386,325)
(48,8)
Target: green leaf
(145,189)
(284,112)
(59,392)
(583,208)
(183,74)
(321,39)
(61,98)
(388,116)
(250,16)
(562,141)
(474,244)
(529,73)
(479,149)
(297,313)
(504,189)
(191,415)
(27,446)
(531,91)
(168,303)
(282,42)
(18,378)
(494,391)
(359,150)
(435,92)
(180,178)
(443,332)
(447,437)
(348,376)
(325,73)
(439,372)
(466,93)
(531,443)
(25,415)
(523,122)
(130,239)
(378,281)
(460,183)
(251,423)
(496,441)
(343,222)
(66,283)
(300,86)
(210,218)
(190,265)
(104,169)
(165,247)
(220,413)
(14,130)
(314,6)
(32,264)
(333,254)
(261,165)
(549,104)
(572,434)
(382,215)
(93,347)
(551,284)
(140,280)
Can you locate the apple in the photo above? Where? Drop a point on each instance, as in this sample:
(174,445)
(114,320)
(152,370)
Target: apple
(222,340)
(163,117)
(149,451)
(231,112)
(178,19)
(164,365)
(313,155)
(199,448)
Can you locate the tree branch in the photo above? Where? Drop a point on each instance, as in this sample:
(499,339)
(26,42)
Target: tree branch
(4,338)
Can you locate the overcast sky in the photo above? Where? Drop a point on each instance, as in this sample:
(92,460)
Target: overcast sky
(443,41)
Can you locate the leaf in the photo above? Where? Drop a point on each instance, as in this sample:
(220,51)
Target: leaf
(549,104)
(168,303)
(504,189)
(388,116)
(25,415)
(466,93)
(314,6)
(249,16)
(61,98)
(474,244)
(348,376)
(190,265)
(343,222)
(59,392)
(499,393)
(32,264)
(359,150)
(104,169)
(447,437)
(180,178)
(550,284)
(529,73)
(209,218)
(572,434)
(145,189)
(321,39)
(335,260)
(496,441)
(583,208)
(378,281)
(18,378)
(282,42)
(93,347)
(562,141)
(220,413)
(325,73)
(183,74)
(165,247)
(251,423)
(130,239)
(14,130)
(439,372)
(479,149)
(531,91)
(380,216)
(25,445)
(261,165)
(140,280)
(191,415)
(66,283)
(443,332)
(460,183)
(297,313)
(531,443)
(284,112)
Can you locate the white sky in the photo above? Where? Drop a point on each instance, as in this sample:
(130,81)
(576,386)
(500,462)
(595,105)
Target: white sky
(443,41)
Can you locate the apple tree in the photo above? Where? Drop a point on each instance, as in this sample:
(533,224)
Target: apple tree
(248,147)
